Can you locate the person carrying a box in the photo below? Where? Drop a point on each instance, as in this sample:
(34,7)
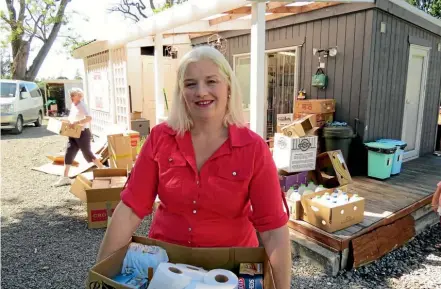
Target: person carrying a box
(78,115)
(216,179)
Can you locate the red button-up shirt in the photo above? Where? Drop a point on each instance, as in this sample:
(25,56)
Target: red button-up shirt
(235,192)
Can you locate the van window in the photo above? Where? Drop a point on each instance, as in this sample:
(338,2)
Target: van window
(7,89)
(22,88)
(33,89)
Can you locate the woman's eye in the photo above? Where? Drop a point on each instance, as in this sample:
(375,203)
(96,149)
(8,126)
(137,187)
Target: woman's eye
(212,81)
(189,84)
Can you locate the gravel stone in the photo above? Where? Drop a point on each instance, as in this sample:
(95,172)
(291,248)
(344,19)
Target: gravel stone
(46,242)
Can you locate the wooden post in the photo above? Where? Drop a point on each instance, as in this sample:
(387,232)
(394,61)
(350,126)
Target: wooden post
(257,81)
(159,78)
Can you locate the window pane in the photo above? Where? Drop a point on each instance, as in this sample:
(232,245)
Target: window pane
(242,70)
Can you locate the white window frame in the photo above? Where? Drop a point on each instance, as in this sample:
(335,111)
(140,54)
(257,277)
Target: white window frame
(284,49)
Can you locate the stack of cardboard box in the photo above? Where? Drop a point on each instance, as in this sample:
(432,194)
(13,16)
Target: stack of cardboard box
(321,109)
(295,149)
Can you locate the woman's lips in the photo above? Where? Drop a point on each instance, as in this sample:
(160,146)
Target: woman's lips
(204,103)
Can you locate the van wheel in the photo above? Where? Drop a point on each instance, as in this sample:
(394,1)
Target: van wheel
(18,125)
(39,120)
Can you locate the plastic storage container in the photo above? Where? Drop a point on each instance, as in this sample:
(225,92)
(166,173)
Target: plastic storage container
(338,136)
(380,159)
(398,157)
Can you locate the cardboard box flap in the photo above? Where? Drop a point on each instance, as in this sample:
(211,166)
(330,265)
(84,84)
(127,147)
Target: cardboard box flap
(81,184)
(103,195)
(102,173)
(332,169)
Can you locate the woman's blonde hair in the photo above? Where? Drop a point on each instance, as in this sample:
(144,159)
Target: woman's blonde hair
(179,118)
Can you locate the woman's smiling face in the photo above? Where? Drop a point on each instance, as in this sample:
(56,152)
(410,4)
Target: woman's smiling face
(205,90)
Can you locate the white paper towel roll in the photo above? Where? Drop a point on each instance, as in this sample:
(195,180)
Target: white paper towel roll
(170,277)
(196,273)
(222,279)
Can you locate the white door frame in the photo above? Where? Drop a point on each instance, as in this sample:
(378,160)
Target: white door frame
(424,52)
(297,50)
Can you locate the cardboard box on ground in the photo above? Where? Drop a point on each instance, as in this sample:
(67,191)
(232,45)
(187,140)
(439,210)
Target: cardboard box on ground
(123,149)
(208,258)
(62,127)
(96,190)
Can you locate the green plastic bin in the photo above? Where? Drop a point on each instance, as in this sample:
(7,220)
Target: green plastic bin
(380,159)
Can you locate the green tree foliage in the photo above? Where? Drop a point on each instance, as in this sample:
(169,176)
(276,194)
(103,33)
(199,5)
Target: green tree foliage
(34,24)
(432,7)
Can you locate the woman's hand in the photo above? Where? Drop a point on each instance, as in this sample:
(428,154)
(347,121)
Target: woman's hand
(435,207)
(278,249)
(124,223)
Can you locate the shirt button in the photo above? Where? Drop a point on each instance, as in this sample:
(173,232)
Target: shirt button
(189,229)
(194,211)
(189,242)
(234,173)
(170,159)
(197,182)
(194,202)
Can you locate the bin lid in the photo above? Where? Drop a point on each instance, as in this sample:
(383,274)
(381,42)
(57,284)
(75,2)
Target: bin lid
(385,148)
(398,143)
(338,132)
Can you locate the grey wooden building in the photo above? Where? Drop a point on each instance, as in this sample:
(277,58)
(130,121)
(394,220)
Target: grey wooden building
(386,74)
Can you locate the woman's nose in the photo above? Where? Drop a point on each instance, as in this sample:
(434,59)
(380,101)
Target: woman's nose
(202,90)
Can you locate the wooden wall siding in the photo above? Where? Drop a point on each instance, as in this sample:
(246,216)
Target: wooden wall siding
(348,81)
(388,76)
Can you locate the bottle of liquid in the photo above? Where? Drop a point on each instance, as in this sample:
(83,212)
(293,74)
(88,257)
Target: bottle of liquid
(354,198)
(295,196)
(335,193)
(307,192)
(311,186)
(326,199)
(289,192)
(320,188)
(302,189)
(343,198)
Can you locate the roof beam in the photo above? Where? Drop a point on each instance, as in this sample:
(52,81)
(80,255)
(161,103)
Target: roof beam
(303,9)
(203,26)
(241,11)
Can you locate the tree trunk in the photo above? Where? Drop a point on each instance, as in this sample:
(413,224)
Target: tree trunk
(38,61)
(20,61)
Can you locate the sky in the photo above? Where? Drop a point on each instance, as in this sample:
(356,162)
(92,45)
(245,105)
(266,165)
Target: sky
(101,22)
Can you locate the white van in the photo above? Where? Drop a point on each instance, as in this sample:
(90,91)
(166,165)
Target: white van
(21,103)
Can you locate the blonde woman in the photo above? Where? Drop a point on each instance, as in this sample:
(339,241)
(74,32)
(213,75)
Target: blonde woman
(208,169)
(78,115)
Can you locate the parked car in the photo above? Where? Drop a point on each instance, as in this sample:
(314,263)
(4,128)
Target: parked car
(21,103)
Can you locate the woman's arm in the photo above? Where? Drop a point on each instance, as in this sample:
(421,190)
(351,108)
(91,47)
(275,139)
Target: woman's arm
(436,198)
(137,200)
(268,215)
(278,249)
(123,225)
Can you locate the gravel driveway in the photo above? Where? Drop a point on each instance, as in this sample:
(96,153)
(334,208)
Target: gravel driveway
(46,243)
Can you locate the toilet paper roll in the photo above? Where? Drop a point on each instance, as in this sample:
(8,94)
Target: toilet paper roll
(169,276)
(222,279)
(196,273)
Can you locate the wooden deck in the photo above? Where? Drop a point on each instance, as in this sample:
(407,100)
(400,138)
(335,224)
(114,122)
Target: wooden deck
(386,202)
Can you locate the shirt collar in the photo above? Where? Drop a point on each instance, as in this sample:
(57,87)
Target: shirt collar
(239,136)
